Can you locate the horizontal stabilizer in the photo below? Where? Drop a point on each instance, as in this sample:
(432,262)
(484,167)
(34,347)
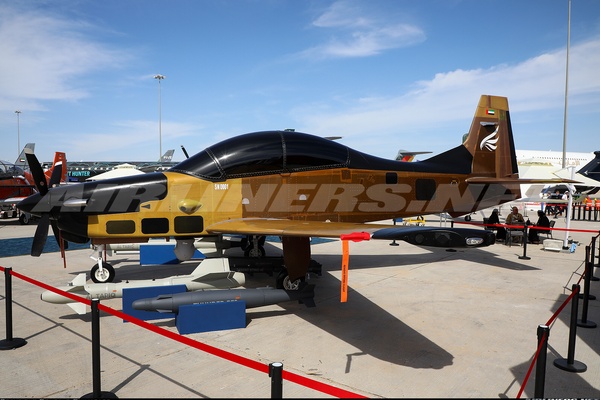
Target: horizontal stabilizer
(491,180)
(437,236)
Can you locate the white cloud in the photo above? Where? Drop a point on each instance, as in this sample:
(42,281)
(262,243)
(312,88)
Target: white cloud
(535,85)
(357,35)
(42,53)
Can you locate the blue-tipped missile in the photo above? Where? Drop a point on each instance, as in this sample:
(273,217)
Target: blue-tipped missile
(252,297)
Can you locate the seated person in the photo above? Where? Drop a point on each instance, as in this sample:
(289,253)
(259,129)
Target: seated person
(515,218)
(500,231)
(542,221)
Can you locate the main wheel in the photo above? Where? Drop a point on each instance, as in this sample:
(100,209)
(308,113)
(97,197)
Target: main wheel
(106,275)
(283,281)
(255,252)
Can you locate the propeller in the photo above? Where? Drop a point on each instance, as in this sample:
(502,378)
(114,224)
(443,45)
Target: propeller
(39,178)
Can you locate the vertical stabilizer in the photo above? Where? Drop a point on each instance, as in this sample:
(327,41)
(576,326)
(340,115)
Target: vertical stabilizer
(490,140)
(22,160)
(167,157)
(60,157)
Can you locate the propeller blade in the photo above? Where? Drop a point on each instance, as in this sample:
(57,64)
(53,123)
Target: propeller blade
(56,175)
(36,171)
(41,233)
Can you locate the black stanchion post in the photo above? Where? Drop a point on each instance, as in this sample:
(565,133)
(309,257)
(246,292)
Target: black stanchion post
(275,372)
(570,364)
(583,322)
(543,332)
(525,239)
(96,378)
(10,342)
(394,241)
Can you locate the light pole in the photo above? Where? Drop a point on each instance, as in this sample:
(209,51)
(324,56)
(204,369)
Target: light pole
(18,133)
(160,78)
(564,149)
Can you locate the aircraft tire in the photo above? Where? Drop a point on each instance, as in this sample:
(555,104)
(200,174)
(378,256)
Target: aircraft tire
(258,252)
(467,218)
(107,275)
(283,281)
(24,219)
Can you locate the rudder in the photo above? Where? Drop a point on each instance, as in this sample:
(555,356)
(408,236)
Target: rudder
(490,139)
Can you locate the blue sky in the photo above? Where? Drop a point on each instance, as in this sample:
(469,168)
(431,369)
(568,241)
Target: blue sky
(385,75)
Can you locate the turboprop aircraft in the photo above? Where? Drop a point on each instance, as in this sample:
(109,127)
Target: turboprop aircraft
(296,186)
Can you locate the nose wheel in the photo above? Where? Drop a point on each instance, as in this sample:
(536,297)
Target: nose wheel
(101,272)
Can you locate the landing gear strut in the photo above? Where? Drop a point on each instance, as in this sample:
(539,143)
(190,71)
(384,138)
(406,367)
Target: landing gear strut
(254,246)
(102,272)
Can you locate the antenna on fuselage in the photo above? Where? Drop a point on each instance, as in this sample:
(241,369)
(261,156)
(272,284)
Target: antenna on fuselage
(185,152)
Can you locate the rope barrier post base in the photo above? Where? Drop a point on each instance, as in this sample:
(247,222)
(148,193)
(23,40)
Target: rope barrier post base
(570,364)
(10,342)
(575,366)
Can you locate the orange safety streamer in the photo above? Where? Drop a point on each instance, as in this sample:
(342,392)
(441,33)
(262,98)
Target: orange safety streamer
(345,257)
(355,237)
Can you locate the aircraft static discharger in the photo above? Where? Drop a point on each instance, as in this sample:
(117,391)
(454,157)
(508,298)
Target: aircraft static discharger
(296,186)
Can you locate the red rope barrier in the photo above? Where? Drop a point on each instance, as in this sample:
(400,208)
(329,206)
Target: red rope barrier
(290,376)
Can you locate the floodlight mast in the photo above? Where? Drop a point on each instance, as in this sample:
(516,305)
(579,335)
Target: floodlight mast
(159,77)
(18,112)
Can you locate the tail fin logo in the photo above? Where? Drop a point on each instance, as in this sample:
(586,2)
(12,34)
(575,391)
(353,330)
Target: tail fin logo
(490,141)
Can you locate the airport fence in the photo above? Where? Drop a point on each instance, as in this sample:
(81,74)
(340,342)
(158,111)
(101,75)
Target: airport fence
(585,212)
(274,370)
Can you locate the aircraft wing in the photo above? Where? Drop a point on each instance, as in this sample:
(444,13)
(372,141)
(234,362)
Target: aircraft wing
(416,235)
(11,200)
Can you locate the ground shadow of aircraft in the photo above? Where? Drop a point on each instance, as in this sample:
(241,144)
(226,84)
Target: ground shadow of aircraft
(293,185)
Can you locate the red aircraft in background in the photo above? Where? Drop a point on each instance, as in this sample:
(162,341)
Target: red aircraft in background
(17,182)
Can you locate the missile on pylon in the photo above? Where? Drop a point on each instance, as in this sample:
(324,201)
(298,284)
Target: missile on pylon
(210,274)
(252,297)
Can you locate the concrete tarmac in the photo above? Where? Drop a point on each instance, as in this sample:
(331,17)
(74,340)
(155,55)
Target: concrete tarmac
(418,323)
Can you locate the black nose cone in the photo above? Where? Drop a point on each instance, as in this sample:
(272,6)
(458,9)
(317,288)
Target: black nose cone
(31,204)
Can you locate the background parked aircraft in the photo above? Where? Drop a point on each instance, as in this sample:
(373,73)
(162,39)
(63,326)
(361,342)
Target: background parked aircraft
(80,171)
(17,182)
